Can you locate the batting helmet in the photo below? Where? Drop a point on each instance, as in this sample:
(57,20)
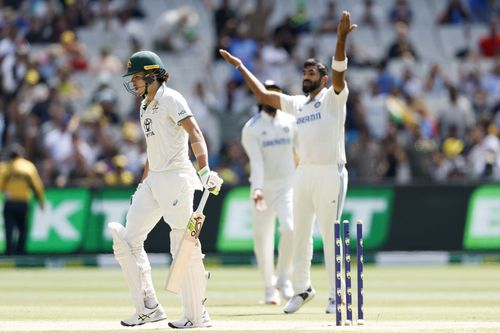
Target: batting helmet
(143,61)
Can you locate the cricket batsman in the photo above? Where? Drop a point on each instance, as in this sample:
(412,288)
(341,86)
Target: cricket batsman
(166,190)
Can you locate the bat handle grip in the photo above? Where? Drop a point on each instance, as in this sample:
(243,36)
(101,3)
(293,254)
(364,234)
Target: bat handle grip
(203,201)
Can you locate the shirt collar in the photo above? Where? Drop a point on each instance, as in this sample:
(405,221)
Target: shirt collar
(160,91)
(318,96)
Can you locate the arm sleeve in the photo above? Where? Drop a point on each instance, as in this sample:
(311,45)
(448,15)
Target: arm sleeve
(178,108)
(251,145)
(340,98)
(37,184)
(2,176)
(287,104)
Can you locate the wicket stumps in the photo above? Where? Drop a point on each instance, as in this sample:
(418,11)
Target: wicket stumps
(359,233)
(347,271)
(345,246)
(338,275)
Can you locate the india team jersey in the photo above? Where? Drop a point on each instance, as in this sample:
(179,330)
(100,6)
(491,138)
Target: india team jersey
(269,144)
(166,140)
(320,125)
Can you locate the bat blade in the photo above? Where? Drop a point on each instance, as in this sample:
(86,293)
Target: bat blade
(183,255)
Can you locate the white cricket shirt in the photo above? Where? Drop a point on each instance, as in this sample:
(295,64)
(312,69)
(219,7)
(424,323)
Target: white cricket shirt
(269,143)
(166,140)
(320,125)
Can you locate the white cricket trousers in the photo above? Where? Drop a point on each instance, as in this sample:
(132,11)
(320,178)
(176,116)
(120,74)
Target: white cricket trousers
(319,191)
(168,194)
(279,203)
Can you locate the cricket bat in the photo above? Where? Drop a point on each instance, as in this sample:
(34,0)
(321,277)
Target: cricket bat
(182,257)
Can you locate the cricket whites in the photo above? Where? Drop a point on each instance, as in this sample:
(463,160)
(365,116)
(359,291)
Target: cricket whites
(189,241)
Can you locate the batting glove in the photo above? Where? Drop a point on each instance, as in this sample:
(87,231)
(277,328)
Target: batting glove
(210,180)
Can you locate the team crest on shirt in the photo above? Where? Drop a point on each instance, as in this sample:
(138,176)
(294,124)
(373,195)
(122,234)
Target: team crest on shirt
(286,129)
(148,124)
(317,104)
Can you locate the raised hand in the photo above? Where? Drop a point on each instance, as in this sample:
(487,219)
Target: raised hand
(230,58)
(345,25)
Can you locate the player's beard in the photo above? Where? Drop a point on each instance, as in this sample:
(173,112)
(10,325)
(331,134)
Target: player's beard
(313,85)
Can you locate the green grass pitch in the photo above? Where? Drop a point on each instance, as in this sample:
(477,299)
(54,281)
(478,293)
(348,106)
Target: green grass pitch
(456,298)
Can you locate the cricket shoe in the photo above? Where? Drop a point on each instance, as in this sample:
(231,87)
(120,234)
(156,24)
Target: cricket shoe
(298,300)
(285,289)
(186,323)
(272,296)
(148,316)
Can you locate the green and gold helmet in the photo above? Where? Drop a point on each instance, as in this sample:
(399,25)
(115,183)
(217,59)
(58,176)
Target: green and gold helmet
(143,61)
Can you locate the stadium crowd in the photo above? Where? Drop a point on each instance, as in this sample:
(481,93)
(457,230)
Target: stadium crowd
(411,118)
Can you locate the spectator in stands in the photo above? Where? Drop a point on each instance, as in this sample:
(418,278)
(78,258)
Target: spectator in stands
(330,19)
(480,10)
(402,47)
(106,62)
(385,80)
(273,62)
(244,47)
(364,156)
(202,103)
(483,154)
(222,15)
(449,164)
(176,30)
(14,66)
(489,44)
(234,167)
(455,12)
(360,56)
(69,90)
(286,34)
(135,10)
(300,21)
(457,116)
(232,110)
(401,12)
(410,84)
(490,82)
(258,18)
(375,113)
(58,141)
(420,149)
(435,80)
(395,164)
(368,14)
(73,51)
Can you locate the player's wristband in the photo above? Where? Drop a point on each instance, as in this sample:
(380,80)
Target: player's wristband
(204,172)
(339,66)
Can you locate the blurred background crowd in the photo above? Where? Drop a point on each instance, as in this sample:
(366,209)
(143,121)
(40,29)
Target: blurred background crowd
(424,80)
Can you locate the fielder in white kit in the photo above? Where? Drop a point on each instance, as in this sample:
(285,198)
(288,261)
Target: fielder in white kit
(269,139)
(167,190)
(321,179)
